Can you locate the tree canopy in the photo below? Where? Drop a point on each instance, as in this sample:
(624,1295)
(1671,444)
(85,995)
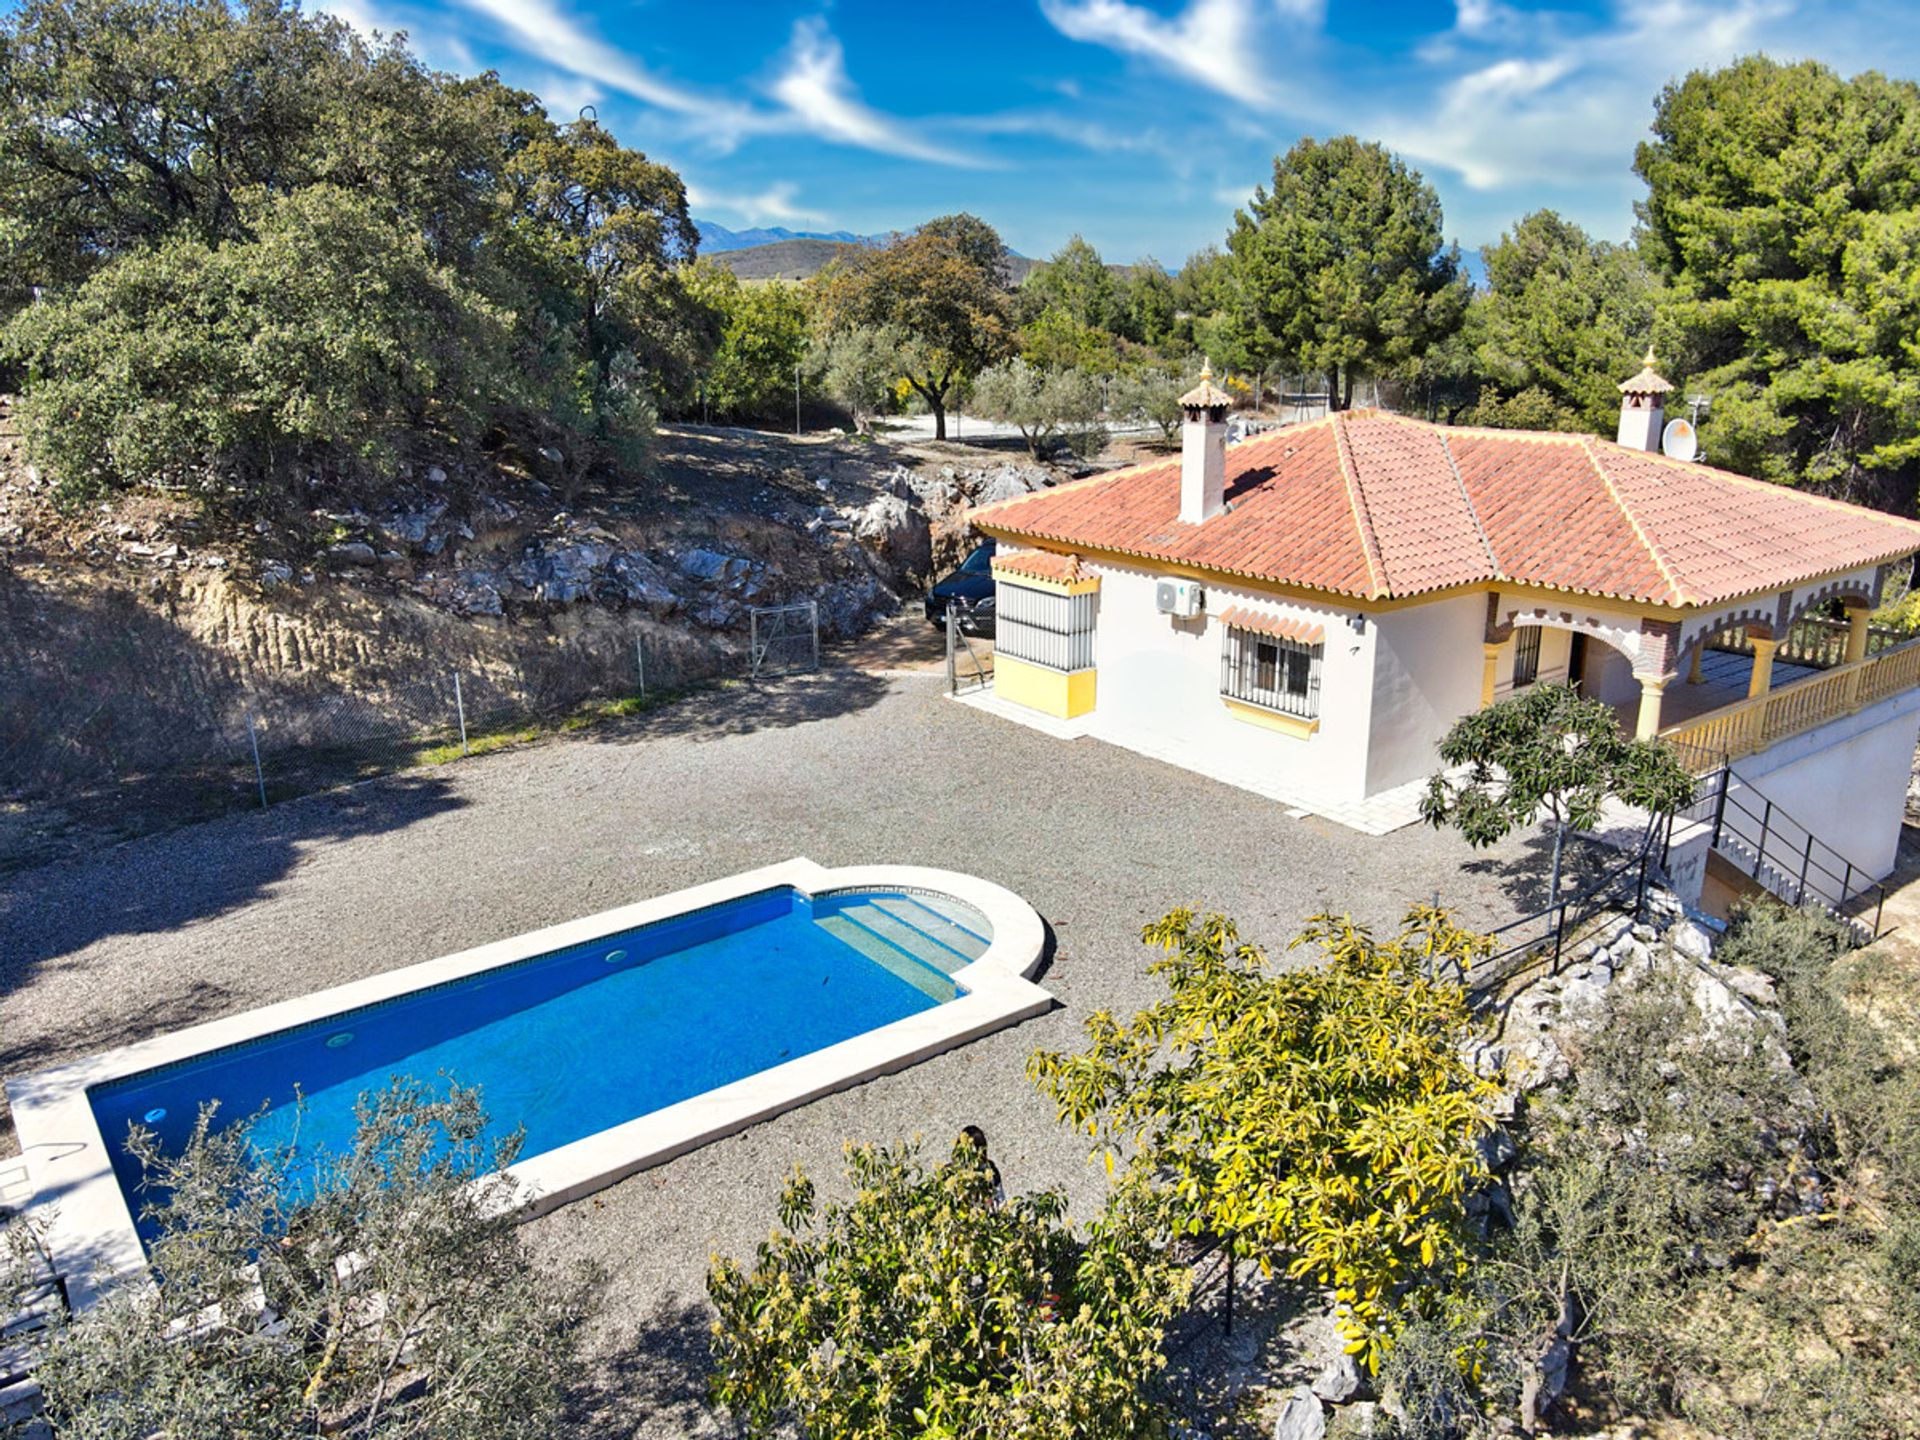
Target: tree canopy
(202,180)
(943,289)
(1783,208)
(381,1292)
(1342,265)
(1564,317)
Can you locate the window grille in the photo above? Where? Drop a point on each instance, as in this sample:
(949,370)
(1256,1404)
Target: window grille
(1526,655)
(1042,627)
(1275,674)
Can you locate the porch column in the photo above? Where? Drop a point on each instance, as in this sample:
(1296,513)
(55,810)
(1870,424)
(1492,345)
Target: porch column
(1857,616)
(1653,690)
(1693,668)
(1489,671)
(1762,665)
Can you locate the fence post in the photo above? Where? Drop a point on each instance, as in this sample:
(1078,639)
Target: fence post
(953,683)
(1760,853)
(640,663)
(259,775)
(1806,860)
(460,708)
(753,644)
(813,619)
(1228,1327)
(1720,806)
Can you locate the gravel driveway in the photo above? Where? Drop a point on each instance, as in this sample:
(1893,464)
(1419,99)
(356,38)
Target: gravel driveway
(844,767)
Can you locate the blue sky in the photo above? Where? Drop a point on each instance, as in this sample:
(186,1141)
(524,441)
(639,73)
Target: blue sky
(1138,125)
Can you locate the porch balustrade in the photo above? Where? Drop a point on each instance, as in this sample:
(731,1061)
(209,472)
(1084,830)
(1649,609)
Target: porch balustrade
(1754,724)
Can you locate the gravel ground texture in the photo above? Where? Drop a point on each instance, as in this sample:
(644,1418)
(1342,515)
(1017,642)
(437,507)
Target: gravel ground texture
(843,767)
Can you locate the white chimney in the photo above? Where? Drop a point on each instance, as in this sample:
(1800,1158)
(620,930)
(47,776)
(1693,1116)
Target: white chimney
(1643,407)
(1203,450)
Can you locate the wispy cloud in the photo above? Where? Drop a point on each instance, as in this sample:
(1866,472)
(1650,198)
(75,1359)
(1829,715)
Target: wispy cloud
(548,33)
(1211,42)
(1553,104)
(816,91)
(772,206)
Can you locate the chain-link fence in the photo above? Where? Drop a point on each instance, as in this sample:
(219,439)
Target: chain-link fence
(138,743)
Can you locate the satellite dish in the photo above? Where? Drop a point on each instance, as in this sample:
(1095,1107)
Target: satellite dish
(1680,441)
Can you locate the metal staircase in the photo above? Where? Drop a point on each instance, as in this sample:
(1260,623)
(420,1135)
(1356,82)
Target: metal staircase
(1781,855)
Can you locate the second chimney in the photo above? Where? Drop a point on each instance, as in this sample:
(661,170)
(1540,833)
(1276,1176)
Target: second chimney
(1203,450)
(1643,401)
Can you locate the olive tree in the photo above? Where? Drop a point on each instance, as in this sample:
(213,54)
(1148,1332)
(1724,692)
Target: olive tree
(1043,404)
(921,1307)
(1547,750)
(1318,1117)
(383,1291)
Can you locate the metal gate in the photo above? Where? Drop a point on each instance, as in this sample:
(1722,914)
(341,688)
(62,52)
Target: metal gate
(969,656)
(784,639)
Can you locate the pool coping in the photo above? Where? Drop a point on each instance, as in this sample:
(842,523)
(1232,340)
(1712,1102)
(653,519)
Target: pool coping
(90,1230)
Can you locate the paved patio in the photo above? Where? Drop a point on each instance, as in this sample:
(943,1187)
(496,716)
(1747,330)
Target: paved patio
(844,767)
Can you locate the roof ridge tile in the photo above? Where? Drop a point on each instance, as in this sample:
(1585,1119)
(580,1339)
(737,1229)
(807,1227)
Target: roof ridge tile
(1677,592)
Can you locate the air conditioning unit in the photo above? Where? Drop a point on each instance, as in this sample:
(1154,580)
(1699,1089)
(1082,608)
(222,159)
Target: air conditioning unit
(1182,598)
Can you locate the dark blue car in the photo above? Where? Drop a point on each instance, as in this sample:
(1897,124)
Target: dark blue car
(970,589)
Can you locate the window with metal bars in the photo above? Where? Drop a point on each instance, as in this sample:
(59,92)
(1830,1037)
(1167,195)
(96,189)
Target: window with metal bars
(1526,655)
(1043,627)
(1275,674)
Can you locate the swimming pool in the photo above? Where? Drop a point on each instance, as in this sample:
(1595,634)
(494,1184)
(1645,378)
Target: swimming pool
(615,1042)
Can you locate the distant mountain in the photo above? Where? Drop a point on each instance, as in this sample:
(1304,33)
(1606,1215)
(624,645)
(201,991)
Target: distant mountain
(718,239)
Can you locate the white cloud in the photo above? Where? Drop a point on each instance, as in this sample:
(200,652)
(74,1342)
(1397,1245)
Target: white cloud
(772,206)
(1210,42)
(1561,107)
(818,94)
(566,95)
(545,31)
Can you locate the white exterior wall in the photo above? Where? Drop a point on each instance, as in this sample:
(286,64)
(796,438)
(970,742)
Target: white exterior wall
(1556,649)
(1428,664)
(1846,781)
(1159,688)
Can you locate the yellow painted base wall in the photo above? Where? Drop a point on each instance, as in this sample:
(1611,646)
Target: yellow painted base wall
(1051,692)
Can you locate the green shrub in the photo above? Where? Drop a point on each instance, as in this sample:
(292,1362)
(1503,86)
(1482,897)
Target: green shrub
(921,1307)
(331,336)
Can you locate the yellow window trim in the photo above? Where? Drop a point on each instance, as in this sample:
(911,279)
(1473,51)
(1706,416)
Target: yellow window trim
(1271,719)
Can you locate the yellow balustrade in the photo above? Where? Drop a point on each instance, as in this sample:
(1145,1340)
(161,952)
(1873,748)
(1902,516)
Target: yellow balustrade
(1763,720)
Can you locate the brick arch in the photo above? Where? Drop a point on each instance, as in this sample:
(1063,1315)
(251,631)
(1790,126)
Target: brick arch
(1760,621)
(1852,588)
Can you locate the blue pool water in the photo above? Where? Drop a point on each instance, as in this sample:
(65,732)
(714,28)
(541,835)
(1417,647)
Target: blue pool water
(583,1039)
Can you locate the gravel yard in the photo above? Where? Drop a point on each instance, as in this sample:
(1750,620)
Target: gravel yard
(844,767)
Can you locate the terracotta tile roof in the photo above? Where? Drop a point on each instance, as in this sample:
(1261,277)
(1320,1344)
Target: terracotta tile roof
(1040,565)
(1648,382)
(1304,632)
(1373,505)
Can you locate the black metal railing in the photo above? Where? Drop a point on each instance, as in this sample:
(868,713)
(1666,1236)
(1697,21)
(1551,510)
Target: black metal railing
(1783,855)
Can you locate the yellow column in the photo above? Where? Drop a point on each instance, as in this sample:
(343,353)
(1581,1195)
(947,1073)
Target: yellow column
(1489,671)
(1856,634)
(1762,666)
(1693,669)
(1653,689)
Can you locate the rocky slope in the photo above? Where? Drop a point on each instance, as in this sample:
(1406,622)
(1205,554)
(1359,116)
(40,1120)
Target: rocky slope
(136,636)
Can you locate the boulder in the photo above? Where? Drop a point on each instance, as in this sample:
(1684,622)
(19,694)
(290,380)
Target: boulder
(1339,1381)
(1691,940)
(1358,1421)
(896,533)
(711,566)
(847,607)
(641,582)
(352,552)
(1300,1417)
(476,593)
(1752,984)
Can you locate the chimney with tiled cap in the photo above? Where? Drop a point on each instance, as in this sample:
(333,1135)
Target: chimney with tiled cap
(1643,407)
(1203,449)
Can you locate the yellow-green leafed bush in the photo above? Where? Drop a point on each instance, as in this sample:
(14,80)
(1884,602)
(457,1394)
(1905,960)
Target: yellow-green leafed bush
(923,1307)
(1322,1117)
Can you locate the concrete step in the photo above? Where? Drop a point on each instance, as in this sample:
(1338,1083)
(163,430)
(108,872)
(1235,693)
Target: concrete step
(910,939)
(928,980)
(910,910)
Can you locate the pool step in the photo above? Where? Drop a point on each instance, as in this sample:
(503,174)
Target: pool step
(915,941)
(956,913)
(930,980)
(911,911)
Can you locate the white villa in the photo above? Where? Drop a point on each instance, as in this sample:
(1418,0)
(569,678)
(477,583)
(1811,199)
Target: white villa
(1306,612)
